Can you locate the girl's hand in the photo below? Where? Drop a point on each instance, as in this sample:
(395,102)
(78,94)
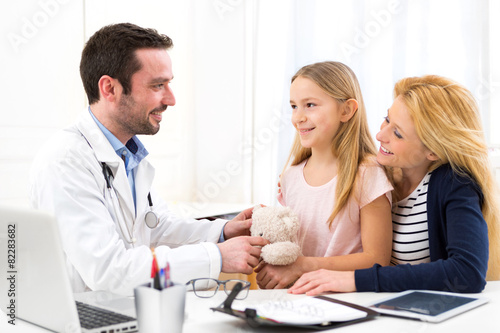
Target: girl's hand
(323,280)
(277,277)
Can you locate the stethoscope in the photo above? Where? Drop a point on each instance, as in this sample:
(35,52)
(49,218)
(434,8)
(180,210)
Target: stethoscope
(150,219)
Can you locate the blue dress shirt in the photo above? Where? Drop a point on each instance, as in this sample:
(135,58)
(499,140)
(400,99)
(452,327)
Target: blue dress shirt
(132,153)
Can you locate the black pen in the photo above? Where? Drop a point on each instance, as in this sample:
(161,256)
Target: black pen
(156,282)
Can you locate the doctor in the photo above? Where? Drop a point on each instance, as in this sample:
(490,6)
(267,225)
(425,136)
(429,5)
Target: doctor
(95,179)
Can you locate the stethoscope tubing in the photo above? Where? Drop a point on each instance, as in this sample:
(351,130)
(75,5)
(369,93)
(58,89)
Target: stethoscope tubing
(121,219)
(150,218)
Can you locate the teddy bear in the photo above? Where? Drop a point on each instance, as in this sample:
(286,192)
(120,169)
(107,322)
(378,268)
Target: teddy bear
(279,225)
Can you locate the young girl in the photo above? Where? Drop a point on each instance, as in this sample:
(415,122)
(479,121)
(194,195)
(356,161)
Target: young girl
(334,184)
(449,207)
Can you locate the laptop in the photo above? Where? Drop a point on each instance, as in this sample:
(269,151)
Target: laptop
(38,290)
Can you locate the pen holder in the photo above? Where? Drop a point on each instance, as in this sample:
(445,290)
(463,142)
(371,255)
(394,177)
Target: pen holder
(160,311)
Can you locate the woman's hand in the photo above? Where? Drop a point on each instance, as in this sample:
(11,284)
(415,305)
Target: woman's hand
(323,280)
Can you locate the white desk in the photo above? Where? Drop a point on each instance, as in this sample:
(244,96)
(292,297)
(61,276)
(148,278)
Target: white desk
(485,318)
(199,317)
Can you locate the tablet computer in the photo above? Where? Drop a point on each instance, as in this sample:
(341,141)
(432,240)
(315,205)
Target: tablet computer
(431,306)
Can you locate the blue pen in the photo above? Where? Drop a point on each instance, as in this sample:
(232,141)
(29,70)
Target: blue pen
(162,278)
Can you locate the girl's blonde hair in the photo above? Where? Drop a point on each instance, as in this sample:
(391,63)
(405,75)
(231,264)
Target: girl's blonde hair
(353,143)
(447,120)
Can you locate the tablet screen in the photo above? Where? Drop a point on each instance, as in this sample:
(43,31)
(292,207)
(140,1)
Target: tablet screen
(420,302)
(427,305)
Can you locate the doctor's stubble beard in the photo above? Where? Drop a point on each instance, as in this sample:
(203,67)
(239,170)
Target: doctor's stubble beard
(131,117)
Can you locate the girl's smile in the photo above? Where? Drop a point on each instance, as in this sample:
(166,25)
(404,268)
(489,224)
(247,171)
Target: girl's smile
(316,115)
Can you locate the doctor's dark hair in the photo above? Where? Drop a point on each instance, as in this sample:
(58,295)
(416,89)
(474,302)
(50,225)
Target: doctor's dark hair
(111,51)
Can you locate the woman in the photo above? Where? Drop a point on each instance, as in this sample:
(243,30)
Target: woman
(446,196)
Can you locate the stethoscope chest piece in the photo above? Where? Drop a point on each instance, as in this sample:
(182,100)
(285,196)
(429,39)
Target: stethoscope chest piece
(151,219)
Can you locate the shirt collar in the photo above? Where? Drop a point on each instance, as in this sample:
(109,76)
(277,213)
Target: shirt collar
(134,150)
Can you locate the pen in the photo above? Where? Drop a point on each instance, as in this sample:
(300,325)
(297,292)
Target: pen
(156,282)
(155,273)
(168,282)
(154,266)
(162,277)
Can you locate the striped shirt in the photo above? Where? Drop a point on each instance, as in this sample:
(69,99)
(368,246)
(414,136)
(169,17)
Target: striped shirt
(410,237)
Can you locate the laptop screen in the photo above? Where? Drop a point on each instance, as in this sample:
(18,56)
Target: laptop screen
(38,286)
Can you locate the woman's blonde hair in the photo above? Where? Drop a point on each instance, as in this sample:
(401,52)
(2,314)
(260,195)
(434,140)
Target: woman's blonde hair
(353,142)
(447,120)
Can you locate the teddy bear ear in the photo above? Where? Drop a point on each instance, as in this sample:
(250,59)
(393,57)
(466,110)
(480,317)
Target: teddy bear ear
(287,221)
(256,208)
(289,217)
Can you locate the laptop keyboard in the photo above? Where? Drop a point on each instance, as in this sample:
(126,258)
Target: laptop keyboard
(92,317)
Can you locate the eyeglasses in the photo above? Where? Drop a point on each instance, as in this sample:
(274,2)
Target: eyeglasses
(207,287)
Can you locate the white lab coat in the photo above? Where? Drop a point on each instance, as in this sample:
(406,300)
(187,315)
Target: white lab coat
(67,180)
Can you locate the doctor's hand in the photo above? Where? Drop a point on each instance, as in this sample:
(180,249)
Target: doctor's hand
(240,225)
(241,254)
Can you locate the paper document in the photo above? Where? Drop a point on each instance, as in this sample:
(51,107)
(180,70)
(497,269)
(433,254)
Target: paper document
(303,311)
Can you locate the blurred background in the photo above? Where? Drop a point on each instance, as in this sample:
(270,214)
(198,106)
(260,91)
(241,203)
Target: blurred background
(227,138)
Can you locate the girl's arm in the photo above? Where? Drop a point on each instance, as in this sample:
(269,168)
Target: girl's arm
(376,237)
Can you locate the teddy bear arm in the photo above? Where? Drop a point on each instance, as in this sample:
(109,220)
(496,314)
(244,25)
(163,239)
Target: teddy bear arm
(281,253)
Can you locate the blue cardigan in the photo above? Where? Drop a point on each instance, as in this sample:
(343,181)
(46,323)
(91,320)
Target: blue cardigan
(458,243)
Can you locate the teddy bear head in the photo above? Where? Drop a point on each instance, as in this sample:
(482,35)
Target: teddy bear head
(276,224)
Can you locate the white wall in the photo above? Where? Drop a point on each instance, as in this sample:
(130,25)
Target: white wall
(196,152)
(40,86)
